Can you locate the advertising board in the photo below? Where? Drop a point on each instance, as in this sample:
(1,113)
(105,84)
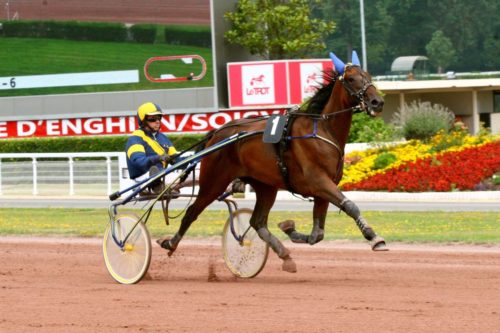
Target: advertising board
(281,82)
(124,125)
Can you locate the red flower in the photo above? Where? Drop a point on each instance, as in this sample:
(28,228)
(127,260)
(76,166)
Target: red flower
(461,170)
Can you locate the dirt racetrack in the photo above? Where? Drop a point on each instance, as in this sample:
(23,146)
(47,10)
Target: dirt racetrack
(61,285)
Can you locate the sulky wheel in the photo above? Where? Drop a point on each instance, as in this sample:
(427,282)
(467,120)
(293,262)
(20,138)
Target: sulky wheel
(127,264)
(246,258)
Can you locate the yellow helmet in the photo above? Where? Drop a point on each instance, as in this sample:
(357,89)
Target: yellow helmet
(147,109)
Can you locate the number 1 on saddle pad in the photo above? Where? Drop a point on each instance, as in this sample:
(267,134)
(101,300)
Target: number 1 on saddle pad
(274,128)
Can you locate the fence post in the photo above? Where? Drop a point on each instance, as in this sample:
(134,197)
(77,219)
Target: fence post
(71,177)
(35,177)
(108,166)
(1,177)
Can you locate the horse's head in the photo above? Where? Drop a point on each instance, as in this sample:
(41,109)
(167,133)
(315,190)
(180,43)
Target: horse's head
(358,85)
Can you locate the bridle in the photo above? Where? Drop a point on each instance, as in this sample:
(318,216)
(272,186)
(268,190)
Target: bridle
(359,95)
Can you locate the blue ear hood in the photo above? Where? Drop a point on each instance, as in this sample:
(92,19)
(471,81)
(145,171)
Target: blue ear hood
(355,59)
(337,63)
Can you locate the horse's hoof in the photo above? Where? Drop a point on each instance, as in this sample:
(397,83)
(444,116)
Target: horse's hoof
(287,226)
(316,237)
(298,240)
(378,244)
(165,243)
(289,265)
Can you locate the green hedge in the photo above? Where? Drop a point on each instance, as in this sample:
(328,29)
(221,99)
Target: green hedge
(143,33)
(188,35)
(84,144)
(73,30)
(109,32)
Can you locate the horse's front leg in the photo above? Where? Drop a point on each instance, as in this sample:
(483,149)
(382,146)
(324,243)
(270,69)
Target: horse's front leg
(350,208)
(329,191)
(319,218)
(318,231)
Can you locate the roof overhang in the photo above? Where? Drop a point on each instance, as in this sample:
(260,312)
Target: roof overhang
(406,64)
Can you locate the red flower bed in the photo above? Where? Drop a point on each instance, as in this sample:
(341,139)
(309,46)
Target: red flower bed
(443,172)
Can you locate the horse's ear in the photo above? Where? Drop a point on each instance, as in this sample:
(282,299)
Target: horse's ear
(337,63)
(355,59)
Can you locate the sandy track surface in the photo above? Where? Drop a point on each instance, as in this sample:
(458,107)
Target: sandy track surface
(61,285)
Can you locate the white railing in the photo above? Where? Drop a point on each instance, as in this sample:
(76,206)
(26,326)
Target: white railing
(58,171)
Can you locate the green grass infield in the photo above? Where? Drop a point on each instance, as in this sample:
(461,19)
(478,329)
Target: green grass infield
(408,227)
(38,56)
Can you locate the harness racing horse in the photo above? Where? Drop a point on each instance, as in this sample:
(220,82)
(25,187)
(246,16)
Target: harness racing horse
(308,161)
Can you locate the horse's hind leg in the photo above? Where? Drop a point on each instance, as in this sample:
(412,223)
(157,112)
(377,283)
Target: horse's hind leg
(318,231)
(265,197)
(191,215)
(206,196)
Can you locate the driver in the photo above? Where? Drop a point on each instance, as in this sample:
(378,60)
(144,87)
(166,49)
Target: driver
(148,150)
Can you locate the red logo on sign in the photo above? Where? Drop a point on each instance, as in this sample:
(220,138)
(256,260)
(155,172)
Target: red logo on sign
(259,80)
(259,86)
(311,84)
(311,78)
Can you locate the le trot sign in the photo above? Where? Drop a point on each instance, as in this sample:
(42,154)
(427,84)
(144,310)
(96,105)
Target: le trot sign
(268,83)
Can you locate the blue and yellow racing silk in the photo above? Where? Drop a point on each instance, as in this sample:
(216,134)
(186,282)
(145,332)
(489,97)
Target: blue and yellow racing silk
(144,150)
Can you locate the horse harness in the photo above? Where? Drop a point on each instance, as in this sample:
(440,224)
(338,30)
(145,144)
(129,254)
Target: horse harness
(291,114)
(283,145)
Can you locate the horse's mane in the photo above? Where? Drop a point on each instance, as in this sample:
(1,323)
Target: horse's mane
(316,104)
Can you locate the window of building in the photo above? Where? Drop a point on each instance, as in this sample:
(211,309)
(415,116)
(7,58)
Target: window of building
(496,101)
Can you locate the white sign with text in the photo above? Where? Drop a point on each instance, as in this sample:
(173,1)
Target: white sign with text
(70,79)
(258,84)
(310,78)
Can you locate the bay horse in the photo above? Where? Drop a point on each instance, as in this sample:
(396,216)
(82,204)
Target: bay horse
(308,161)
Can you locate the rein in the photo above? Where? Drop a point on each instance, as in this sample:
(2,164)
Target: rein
(206,138)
